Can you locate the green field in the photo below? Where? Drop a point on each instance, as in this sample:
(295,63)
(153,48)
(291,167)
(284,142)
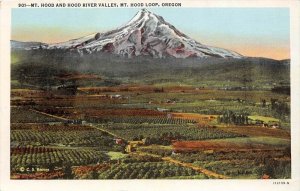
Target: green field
(264,119)
(259,140)
(163,134)
(116,155)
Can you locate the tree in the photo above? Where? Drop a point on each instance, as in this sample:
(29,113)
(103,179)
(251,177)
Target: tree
(263,102)
(273,103)
(68,172)
(163,173)
(95,174)
(230,117)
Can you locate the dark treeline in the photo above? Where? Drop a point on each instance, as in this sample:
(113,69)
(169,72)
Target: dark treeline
(229,117)
(280,109)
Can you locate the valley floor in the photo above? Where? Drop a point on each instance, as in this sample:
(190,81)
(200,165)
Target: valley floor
(149,132)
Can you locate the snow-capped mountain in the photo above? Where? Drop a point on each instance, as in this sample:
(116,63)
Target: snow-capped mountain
(145,34)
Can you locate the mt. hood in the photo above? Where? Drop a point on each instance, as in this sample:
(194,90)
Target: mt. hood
(145,34)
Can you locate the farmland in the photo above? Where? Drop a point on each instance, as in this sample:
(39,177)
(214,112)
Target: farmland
(155,134)
(242,163)
(145,133)
(137,168)
(135,120)
(50,157)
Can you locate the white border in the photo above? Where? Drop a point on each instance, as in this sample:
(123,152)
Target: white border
(123,185)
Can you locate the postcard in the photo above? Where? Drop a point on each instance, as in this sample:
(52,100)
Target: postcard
(150,95)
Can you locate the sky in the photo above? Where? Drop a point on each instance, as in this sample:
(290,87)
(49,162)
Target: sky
(257,32)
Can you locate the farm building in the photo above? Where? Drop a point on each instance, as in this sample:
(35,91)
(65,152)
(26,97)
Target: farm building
(119,141)
(265,176)
(169,115)
(162,109)
(131,147)
(117,96)
(265,125)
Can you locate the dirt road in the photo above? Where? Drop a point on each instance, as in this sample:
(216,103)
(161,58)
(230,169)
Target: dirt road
(188,165)
(49,115)
(196,168)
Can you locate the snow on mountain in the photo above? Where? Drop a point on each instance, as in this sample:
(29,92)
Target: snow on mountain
(74,43)
(145,34)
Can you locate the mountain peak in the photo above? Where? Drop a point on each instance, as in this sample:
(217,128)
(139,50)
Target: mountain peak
(144,10)
(145,34)
(142,15)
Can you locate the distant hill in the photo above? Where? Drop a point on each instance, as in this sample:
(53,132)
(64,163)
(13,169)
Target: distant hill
(248,73)
(25,45)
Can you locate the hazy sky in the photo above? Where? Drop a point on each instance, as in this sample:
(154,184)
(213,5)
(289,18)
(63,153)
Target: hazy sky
(248,31)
